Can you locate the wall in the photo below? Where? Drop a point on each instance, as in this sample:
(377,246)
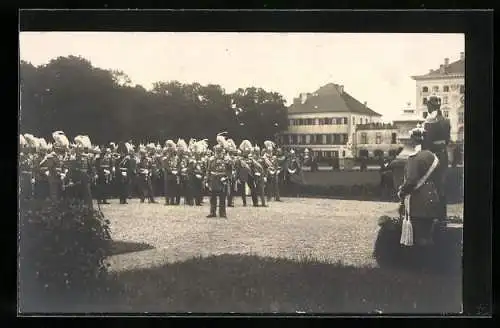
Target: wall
(386,142)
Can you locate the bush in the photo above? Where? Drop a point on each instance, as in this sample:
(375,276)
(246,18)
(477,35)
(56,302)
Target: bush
(62,250)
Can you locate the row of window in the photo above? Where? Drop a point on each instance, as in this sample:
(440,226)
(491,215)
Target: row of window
(444,100)
(445,114)
(378,138)
(446,88)
(314,139)
(325,121)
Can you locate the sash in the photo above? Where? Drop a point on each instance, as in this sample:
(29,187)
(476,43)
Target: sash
(407,231)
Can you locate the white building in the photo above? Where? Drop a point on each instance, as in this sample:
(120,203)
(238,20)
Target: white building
(448,82)
(325,122)
(407,120)
(376,139)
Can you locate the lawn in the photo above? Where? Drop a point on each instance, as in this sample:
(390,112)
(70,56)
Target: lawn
(310,255)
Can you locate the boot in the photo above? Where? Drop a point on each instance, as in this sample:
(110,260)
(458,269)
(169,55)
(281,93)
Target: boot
(222,212)
(212,212)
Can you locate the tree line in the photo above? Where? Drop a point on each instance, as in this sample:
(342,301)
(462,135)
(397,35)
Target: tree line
(71,95)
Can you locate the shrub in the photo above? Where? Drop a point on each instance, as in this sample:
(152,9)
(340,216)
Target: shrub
(62,250)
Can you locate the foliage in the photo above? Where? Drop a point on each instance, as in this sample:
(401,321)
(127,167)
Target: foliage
(70,94)
(62,249)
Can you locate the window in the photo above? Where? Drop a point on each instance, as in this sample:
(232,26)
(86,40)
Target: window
(307,139)
(364,138)
(336,139)
(328,121)
(425,89)
(409,111)
(345,120)
(290,122)
(321,121)
(366,121)
(335,153)
(446,113)
(353,120)
(303,139)
(329,139)
(424,115)
(346,138)
(445,99)
(424,101)
(294,139)
(343,153)
(462,89)
(446,88)
(378,138)
(435,88)
(393,138)
(461,117)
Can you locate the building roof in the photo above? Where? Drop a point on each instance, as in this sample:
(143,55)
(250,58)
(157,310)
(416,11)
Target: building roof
(455,68)
(330,98)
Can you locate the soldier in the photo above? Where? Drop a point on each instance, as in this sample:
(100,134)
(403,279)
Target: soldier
(418,193)
(26,167)
(244,172)
(170,164)
(293,173)
(273,171)
(157,172)
(231,155)
(83,173)
(184,181)
(103,165)
(436,139)
(259,170)
(122,173)
(216,180)
(144,176)
(198,169)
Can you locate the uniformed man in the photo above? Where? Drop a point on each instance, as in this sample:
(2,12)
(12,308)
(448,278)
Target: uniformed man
(122,172)
(26,176)
(436,139)
(418,193)
(83,173)
(231,154)
(273,171)
(244,171)
(217,175)
(198,171)
(103,168)
(144,176)
(259,172)
(170,165)
(184,182)
(293,173)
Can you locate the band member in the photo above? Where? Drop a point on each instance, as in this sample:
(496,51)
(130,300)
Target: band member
(216,180)
(232,152)
(418,193)
(26,176)
(82,173)
(244,172)
(122,173)
(103,167)
(198,168)
(157,172)
(184,189)
(436,139)
(144,176)
(273,171)
(170,164)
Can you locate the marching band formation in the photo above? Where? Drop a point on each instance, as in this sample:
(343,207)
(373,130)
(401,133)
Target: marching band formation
(82,171)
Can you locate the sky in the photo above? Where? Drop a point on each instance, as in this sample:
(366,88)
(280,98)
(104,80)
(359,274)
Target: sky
(375,68)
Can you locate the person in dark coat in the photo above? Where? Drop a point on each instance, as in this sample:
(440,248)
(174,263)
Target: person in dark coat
(218,171)
(436,140)
(418,193)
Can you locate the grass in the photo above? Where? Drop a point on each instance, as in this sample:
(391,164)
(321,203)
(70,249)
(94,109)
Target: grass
(311,255)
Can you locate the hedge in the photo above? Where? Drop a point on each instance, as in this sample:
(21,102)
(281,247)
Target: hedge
(62,248)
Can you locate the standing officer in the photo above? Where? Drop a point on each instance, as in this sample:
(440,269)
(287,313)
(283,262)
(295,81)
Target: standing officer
(244,172)
(231,154)
(144,176)
(184,182)
(122,177)
(272,166)
(83,171)
(259,170)
(198,170)
(216,179)
(103,168)
(436,139)
(170,165)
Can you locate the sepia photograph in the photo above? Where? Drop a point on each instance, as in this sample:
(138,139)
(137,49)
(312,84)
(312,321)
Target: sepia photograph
(241,172)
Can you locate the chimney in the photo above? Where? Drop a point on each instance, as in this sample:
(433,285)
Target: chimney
(365,103)
(441,69)
(462,55)
(446,62)
(341,89)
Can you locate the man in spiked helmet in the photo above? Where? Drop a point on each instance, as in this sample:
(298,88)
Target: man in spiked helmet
(104,167)
(170,165)
(273,171)
(231,154)
(217,175)
(82,172)
(185,183)
(145,166)
(259,170)
(436,139)
(123,171)
(199,163)
(244,166)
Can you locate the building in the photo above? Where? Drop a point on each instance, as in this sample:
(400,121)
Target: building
(448,82)
(406,121)
(374,140)
(324,122)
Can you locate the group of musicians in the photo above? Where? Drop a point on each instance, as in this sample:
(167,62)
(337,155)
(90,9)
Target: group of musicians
(183,170)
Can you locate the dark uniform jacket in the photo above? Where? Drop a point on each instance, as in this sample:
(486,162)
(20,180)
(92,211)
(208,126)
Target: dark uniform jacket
(424,202)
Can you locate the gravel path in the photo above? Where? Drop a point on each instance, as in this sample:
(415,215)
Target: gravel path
(329,230)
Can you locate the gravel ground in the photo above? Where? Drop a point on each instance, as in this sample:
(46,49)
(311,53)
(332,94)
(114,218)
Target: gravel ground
(329,230)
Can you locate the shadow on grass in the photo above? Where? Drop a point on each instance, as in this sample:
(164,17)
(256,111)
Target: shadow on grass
(243,284)
(118,247)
